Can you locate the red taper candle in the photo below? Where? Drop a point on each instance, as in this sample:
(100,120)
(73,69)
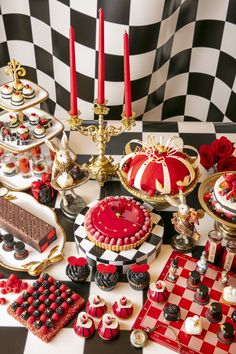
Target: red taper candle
(128,108)
(101,59)
(73,83)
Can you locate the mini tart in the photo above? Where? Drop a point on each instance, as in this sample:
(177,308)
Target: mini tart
(19,87)
(14,121)
(28,92)
(6,91)
(22,130)
(118,223)
(39,132)
(34,118)
(17,99)
(9,169)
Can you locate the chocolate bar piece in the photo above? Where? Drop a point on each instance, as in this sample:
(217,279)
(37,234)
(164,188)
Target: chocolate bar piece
(44,314)
(25,226)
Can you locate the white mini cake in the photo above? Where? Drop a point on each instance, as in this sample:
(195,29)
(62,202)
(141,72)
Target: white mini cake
(17,99)
(14,121)
(28,91)
(22,130)
(65,180)
(33,118)
(19,86)
(39,132)
(6,91)
(193,325)
(229,295)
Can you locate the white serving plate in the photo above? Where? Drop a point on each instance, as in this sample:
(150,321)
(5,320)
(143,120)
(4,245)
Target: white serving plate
(40,96)
(7,259)
(52,131)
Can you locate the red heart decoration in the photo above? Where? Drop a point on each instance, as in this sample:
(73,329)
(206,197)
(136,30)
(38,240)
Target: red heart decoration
(142,268)
(81,261)
(103,268)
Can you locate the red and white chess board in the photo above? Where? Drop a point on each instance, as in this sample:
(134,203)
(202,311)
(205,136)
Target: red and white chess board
(152,315)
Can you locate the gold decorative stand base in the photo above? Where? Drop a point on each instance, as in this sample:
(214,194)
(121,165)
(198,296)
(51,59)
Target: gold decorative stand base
(101,167)
(229,233)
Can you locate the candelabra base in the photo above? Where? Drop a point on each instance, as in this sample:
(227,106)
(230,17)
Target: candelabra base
(179,244)
(74,207)
(101,168)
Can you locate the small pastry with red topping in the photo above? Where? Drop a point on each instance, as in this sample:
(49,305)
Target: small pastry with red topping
(14,121)
(39,132)
(108,327)
(84,325)
(18,86)
(44,121)
(158,292)
(106,276)
(123,307)
(17,99)
(96,306)
(22,130)
(28,91)
(34,118)
(6,91)
(138,276)
(77,269)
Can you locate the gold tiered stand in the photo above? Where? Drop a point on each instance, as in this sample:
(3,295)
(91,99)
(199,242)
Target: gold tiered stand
(101,167)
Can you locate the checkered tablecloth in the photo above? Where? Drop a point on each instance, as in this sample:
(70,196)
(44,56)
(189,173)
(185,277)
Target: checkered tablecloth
(15,339)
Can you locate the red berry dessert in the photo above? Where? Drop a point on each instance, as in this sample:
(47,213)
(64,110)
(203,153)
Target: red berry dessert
(159,169)
(96,306)
(118,223)
(108,327)
(158,292)
(123,307)
(84,325)
(46,307)
(222,197)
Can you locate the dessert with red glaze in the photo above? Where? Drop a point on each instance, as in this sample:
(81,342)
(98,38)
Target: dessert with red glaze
(96,306)
(158,292)
(106,276)
(84,325)
(13,121)
(123,307)
(77,269)
(222,197)
(138,276)
(108,327)
(28,92)
(44,121)
(46,307)
(157,168)
(118,223)
(6,91)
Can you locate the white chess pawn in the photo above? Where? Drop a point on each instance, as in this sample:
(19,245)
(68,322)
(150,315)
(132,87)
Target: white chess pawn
(193,325)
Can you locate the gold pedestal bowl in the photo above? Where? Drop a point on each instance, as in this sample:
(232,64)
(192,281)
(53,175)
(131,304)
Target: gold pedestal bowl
(227,228)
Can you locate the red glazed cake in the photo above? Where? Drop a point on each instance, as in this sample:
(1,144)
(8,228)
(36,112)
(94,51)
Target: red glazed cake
(118,223)
(159,169)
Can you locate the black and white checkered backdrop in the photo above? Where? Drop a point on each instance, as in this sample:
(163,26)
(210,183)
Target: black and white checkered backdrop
(183,54)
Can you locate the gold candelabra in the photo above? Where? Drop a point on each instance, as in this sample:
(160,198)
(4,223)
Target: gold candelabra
(101,167)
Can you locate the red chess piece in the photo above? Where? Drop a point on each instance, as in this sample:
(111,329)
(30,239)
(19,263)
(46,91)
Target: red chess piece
(158,292)
(84,325)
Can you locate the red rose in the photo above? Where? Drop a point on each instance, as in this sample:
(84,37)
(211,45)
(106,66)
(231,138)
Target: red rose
(227,164)
(222,148)
(206,156)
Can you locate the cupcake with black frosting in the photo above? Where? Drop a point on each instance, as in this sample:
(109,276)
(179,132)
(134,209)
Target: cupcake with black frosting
(77,269)
(106,276)
(138,276)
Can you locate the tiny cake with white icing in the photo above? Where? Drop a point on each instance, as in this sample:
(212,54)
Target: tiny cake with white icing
(118,223)
(18,86)
(84,325)
(6,91)
(39,132)
(123,307)
(222,197)
(229,295)
(28,92)
(13,121)
(17,98)
(23,132)
(34,118)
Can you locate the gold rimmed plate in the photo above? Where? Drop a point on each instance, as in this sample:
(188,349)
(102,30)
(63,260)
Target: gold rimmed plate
(157,201)
(226,227)
(36,262)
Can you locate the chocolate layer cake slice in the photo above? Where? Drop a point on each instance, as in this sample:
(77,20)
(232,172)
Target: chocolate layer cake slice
(25,226)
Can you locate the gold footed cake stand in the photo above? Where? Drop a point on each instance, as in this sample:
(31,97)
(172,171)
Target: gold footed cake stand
(227,228)
(157,201)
